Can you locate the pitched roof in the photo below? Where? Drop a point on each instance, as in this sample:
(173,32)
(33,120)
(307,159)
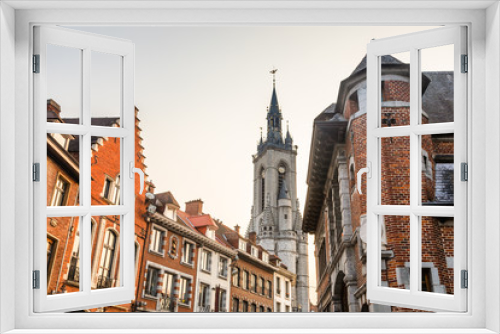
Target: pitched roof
(437,100)
(167,198)
(386,60)
(202,220)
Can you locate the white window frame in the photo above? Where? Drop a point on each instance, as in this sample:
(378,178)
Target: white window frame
(15,42)
(86,297)
(412,297)
(163,242)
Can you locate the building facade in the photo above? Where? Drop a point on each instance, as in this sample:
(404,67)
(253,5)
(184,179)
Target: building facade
(335,212)
(276,219)
(63,152)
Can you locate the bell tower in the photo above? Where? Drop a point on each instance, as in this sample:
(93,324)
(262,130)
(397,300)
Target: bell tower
(275,215)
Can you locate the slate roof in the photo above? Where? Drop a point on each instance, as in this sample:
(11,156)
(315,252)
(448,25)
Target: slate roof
(386,60)
(437,101)
(167,198)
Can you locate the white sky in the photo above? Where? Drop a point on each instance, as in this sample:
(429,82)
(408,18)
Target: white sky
(202,93)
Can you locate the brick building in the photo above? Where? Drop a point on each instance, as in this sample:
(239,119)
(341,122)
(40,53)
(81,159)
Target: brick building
(335,211)
(63,153)
(254,274)
(169,269)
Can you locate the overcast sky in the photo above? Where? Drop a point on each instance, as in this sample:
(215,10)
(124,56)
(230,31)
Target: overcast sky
(202,93)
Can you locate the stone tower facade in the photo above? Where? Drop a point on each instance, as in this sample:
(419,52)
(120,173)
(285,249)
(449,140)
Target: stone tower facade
(276,218)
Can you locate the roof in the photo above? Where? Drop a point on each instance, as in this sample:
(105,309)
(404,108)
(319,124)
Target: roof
(167,198)
(437,101)
(201,220)
(386,60)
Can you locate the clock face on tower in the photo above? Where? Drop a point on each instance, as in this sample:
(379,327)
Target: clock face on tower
(281,170)
(263,173)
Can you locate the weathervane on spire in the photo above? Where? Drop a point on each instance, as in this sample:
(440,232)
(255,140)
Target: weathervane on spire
(273,72)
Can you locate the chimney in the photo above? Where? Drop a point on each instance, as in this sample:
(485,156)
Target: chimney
(195,207)
(237,228)
(253,237)
(54,107)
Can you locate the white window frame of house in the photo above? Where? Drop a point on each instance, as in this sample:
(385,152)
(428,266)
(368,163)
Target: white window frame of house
(414,43)
(16,307)
(86,297)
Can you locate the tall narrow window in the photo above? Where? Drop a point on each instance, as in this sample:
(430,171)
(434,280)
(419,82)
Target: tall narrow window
(107,259)
(281,176)
(157,240)
(262,189)
(60,192)
(152,281)
(236,277)
(184,284)
(108,187)
(51,247)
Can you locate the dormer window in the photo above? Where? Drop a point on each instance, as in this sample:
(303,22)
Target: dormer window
(265,257)
(211,234)
(254,251)
(242,245)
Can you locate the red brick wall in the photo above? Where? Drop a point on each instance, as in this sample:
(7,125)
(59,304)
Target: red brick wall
(250,296)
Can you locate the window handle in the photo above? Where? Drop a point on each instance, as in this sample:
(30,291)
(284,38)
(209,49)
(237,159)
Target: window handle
(134,170)
(368,171)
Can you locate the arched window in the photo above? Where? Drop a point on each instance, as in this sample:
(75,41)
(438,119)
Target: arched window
(281,176)
(107,259)
(262,189)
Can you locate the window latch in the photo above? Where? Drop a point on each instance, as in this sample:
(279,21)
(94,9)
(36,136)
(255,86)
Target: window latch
(134,170)
(368,171)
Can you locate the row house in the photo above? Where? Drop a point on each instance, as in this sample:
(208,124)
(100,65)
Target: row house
(335,212)
(63,152)
(256,275)
(215,260)
(186,268)
(169,270)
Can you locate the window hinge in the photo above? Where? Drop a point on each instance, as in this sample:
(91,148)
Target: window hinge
(465,279)
(36,172)
(464,171)
(36,279)
(36,63)
(465,64)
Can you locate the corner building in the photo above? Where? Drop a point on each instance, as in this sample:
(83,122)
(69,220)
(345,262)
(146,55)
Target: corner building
(276,218)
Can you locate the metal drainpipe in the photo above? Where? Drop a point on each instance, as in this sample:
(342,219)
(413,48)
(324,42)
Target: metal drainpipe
(141,267)
(67,240)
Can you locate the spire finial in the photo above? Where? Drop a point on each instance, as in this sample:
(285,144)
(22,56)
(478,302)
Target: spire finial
(273,72)
(261,133)
(287,127)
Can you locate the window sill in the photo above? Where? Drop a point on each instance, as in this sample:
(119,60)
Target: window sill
(205,271)
(146,296)
(187,264)
(152,251)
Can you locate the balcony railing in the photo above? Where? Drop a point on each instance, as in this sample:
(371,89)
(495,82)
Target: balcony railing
(74,270)
(103,282)
(166,304)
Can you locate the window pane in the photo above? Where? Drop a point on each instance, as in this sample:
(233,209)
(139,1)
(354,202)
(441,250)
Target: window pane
(106,253)
(106,89)
(395,251)
(105,169)
(64,84)
(438,169)
(437,65)
(62,255)
(437,254)
(63,169)
(395,171)
(394,90)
